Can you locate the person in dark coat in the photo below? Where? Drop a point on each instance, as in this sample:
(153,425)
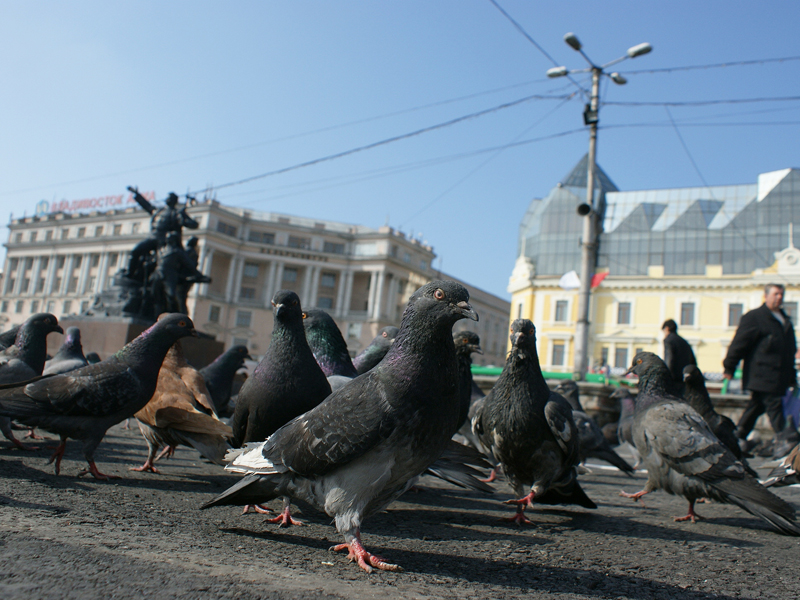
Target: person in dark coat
(677,351)
(765,341)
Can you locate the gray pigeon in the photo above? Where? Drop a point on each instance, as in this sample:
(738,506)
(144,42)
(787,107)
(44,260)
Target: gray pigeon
(625,423)
(92,358)
(219,377)
(787,472)
(327,343)
(377,349)
(592,442)
(530,430)
(25,358)
(7,338)
(367,442)
(685,458)
(84,403)
(69,357)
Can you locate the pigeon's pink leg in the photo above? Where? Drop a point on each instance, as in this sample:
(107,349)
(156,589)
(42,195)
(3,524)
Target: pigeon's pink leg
(365,560)
(147,466)
(691,516)
(58,454)
(167,452)
(492,476)
(261,510)
(637,496)
(285,518)
(32,435)
(519,518)
(95,473)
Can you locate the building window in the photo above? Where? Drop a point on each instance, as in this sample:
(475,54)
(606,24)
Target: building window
(65,233)
(354,330)
(11,282)
(558,354)
(638,351)
(734,314)
(18,307)
(243,318)
(67,306)
(112,259)
(135,228)
(406,257)
(39,286)
(604,356)
(290,275)
(301,243)
(328,280)
(790,308)
(77,262)
(91,282)
(98,231)
(18,238)
(34,306)
(95,260)
(81,232)
(261,237)
(44,262)
(335,248)
(237,341)
(57,285)
(561,311)
(73,285)
(687,313)
(48,235)
(621,358)
(4,306)
(247,293)
(624,313)
(33,236)
(423,264)
(84,306)
(26,283)
(250,270)
(519,310)
(28,263)
(60,262)
(213,313)
(117,230)
(325,302)
(51,306)
(13,263)
(226,229)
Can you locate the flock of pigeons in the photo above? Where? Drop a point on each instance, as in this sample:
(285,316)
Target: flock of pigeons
(350,436)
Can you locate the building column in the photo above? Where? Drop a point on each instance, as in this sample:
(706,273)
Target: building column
(377,302)
(315,277)
(277,284)
(391,297)
(67,274)
(348,291)
(306,291)
(51,275)
(100,284)
(231,278)
(341,279)
(205,263)
(237,286)
(20,275)
(35,270)
(269,283)
(373,284)
(86,265)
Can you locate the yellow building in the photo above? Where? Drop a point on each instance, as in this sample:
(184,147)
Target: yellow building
(700,256)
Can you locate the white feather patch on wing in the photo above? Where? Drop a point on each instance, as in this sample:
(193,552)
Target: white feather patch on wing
(250,459)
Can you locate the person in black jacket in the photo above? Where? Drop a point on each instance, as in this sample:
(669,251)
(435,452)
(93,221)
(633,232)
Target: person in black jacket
(765,341)
(677,351)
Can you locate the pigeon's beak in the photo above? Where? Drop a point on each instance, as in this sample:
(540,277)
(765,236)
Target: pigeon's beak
(686,377)
(58,329)
(630,371)
(464,308)
(247,356)
(194,333)
(476,348)
(278,308)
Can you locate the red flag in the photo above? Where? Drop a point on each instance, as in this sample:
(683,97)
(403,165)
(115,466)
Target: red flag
(597,279)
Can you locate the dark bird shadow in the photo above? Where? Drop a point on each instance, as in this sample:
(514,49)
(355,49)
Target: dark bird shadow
(12,502)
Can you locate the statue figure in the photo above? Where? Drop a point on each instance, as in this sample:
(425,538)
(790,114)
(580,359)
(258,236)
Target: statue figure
(173,268)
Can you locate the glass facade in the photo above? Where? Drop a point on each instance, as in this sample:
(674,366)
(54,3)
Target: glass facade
(739,227)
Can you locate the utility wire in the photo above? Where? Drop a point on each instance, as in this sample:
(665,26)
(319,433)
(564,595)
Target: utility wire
(538,47)
(707,102)
(384,142)
(712,66)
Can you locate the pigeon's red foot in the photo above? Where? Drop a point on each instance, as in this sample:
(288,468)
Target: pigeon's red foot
(261,510)
(20,445)
(524,501)
(96,473)
(691,515)
(32,435)
(167,452)
(365,560)
(519,519)
(492,476)
(147,466)
(637,496)
(285,519)
(57,455)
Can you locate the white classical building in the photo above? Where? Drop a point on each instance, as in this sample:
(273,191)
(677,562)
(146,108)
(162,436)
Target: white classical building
(363,277)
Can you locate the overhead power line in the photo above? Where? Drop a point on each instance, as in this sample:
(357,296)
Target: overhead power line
(707,102)
(738,63)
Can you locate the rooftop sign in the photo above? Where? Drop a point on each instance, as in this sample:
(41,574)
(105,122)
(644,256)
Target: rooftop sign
(100,203)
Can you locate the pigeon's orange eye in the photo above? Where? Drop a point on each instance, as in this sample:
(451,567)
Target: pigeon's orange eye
(438,294)
(294,302)
(638,361)
(182,324)
(384,334)
(305,315)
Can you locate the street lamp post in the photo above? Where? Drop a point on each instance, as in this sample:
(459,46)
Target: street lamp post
(591,117)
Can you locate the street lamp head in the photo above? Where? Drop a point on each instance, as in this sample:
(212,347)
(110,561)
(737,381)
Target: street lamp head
(618,79)
(573,41)
(557,72)
(639,50)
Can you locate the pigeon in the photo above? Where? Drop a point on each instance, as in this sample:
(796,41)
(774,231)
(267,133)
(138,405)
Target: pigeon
(625,423)
(685,458)
(367,442)
(530,430)
(696,394)
(219,376)
(69,357)
(467,343)
(7,338)
(24,360)
(84,403)
(591,441)
(286,383)
(178,413)
(327,343)
(787,472)
(377,349)
(93,358)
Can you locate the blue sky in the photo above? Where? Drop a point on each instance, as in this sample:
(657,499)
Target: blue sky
(96,96)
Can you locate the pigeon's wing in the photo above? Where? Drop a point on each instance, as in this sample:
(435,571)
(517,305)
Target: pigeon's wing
(14,370)
(190,421)
(195,383)
(558,414)
(683,440)
(340,429)
(96,391)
